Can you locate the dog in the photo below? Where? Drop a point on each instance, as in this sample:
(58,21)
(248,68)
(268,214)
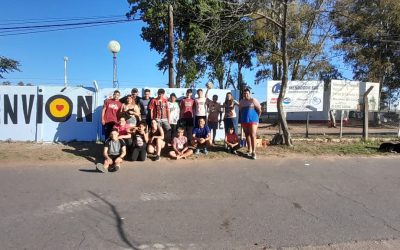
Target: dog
(390,147)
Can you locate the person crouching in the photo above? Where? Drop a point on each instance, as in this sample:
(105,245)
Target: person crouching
(201,137)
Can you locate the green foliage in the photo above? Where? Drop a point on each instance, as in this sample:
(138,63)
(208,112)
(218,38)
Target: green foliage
(369,34)
(309,31)
(8,65)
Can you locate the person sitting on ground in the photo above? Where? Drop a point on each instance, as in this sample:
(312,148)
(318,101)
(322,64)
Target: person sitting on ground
(114,152)
(139,142)
(180,146)
(232,141)
(124,131)
(156,139)
(201,137)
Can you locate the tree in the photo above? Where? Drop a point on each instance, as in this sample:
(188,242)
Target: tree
(8,65)
(369,37)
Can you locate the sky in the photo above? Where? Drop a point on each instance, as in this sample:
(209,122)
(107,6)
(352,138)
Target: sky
(41,55)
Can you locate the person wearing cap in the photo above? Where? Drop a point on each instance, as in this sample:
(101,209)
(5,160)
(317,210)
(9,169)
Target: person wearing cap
(174,114)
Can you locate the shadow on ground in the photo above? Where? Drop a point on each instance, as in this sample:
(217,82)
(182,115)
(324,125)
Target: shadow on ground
(118,221)
(90,151)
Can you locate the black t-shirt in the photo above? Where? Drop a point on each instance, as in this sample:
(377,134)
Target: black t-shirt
(144,106)
(138,140)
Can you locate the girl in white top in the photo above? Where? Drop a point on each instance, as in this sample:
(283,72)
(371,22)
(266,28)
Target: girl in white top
(174,112)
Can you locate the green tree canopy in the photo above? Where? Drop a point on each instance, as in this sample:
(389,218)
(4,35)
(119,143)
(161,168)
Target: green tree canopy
(8,65)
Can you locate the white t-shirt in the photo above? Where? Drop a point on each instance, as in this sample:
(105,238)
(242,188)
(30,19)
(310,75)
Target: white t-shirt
(173,113)
(200,106)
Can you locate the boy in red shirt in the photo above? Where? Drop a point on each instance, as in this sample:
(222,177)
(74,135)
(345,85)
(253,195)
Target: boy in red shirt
(159,111)
(232,141)
(110,113)
(186,117)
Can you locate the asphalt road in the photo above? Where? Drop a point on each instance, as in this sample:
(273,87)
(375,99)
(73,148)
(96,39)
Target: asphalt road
(201,204)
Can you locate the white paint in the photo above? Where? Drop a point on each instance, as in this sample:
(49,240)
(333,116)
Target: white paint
(159,196)
(73,206)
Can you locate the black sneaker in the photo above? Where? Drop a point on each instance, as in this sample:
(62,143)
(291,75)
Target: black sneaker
(116,168)
(157,158)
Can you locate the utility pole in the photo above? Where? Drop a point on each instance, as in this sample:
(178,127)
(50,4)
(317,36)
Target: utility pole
(65,71)
(171,83)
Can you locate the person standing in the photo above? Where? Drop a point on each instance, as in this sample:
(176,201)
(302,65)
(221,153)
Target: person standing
(186,118)
(134,94)
(230,113)
(200,107)
(110,113)
(174,114)
(159,111)
(214,114)
(131,111)
(250,111)
(144,104)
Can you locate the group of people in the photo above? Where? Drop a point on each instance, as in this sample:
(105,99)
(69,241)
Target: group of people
(136,126)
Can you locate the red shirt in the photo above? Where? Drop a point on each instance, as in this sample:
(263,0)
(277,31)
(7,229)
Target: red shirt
(112,110)
(186,106)
(122,130)
(159,108)
(232,138)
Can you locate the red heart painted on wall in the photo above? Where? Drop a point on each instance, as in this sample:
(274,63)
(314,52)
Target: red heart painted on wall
(59,107)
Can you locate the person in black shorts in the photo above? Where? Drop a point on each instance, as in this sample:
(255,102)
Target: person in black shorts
(186,106)
(114,152)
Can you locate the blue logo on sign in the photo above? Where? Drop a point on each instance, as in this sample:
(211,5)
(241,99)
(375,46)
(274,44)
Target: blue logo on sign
(287,100)
(276,88)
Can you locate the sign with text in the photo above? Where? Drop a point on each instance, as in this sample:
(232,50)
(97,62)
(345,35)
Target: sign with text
(348,95)
(301,96)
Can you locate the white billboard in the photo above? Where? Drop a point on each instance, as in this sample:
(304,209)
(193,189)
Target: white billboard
(301,96)
(348,95)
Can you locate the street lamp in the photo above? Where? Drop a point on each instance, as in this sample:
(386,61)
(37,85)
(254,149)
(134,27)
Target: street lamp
(65,71)
(114,48)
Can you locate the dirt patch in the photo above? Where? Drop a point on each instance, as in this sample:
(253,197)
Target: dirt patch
(92,151)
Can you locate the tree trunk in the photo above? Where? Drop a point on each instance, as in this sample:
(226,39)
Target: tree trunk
(171,47)
(179,69)
(281,113)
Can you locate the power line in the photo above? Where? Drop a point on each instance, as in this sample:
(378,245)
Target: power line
(48,20)
(57,27)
